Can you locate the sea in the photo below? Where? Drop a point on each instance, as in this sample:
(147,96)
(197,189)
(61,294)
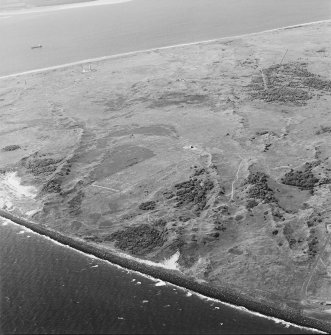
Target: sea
(83,33)
(49,288)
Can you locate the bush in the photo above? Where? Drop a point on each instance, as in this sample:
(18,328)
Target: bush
(148,205)
(11,147)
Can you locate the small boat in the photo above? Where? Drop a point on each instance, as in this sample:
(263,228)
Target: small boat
(36,46)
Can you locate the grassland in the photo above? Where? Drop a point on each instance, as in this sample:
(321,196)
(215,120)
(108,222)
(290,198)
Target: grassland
(218,152)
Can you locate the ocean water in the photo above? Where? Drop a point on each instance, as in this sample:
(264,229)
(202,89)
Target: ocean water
(50,289)
(77,34)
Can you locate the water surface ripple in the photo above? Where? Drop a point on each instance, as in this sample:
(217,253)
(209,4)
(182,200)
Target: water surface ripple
(49,288)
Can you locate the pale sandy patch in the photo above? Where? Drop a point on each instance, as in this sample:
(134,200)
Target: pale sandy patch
(11,183)
(172,262)
(7,14)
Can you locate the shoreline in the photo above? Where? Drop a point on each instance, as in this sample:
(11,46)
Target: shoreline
(226,296)
(240,293)
(159,282)
(137,52)
(52,8)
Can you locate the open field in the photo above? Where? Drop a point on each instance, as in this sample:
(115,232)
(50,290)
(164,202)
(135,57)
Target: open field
(217,153)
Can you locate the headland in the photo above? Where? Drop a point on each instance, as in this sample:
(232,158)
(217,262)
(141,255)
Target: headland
(215,152)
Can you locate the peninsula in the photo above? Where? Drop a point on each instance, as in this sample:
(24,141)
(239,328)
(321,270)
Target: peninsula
(210,161)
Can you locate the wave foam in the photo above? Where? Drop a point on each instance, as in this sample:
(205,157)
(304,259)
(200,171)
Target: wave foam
(160,283)
(188,291)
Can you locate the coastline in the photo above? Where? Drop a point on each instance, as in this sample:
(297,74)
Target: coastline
(132,53)
(51,8)
(223,295)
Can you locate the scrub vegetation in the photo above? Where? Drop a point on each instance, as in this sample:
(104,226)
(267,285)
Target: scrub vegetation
(217,153)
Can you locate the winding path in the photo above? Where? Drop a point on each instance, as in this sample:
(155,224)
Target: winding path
(312,270)
(235,180)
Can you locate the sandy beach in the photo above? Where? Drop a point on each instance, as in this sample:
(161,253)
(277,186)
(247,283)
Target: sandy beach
(9,8)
